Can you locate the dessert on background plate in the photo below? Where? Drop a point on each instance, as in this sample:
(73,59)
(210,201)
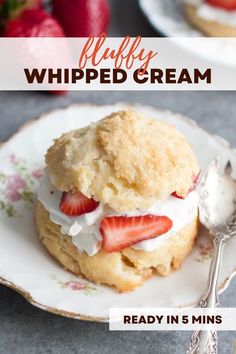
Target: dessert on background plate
(117,203)
(216,18)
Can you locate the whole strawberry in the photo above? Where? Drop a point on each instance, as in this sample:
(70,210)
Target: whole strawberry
(33,23)
(38,23)
(82,18)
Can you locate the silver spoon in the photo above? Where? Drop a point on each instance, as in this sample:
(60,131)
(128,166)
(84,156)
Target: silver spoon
(217,211)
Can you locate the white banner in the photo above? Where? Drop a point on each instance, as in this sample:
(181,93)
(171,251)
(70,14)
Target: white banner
(118,63)
(172,319)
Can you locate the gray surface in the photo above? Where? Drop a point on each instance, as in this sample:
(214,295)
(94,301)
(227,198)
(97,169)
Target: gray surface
(25,329)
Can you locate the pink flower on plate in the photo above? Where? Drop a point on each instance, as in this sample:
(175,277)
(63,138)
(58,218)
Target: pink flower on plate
(15,184)
(14,159)
(12,195)
(75,285)
(37,174)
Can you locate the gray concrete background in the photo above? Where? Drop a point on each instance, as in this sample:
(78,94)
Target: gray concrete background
(28,330)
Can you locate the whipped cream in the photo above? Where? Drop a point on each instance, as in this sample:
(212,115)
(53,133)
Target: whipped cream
(212,13)
(85,229)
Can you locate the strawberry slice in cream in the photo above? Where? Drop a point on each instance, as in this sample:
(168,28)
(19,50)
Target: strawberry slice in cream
(157,224)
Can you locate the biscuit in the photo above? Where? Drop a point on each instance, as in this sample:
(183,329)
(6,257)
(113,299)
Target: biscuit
(123,270)
(210,28)
(126,161)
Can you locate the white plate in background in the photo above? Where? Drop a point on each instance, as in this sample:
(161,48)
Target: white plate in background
(167,17)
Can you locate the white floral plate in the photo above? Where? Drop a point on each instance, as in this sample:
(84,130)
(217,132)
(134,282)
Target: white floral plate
(27,267)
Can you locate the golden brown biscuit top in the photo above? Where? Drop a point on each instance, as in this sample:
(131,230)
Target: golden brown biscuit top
(126,160)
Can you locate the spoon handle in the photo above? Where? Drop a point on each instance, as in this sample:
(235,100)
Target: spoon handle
(205,342)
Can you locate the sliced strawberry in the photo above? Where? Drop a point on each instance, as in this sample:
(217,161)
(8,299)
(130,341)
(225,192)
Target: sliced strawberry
(228,5)
(120,232)
(75,204)
(177,195)
(195,178)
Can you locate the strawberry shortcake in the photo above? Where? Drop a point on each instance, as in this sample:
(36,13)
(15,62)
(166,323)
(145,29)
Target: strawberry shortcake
(216,18)
(117,202)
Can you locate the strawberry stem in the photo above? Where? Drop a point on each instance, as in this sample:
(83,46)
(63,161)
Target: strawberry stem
(10,9)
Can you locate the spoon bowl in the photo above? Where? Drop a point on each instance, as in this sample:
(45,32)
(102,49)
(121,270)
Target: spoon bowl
(217,200)
(217,212)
